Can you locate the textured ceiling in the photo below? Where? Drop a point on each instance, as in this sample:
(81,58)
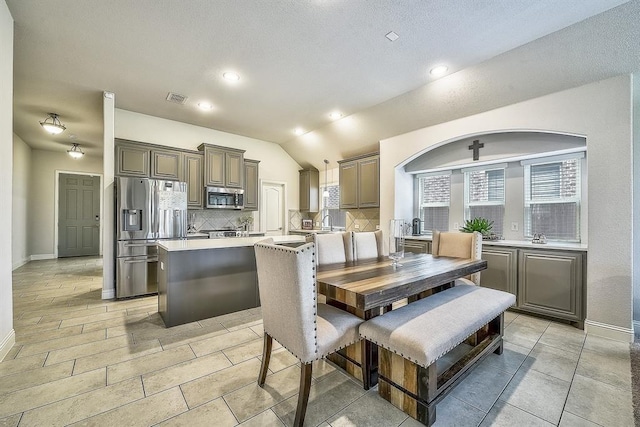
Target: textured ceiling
(300,60)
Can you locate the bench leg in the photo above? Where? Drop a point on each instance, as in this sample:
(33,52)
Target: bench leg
(497,325)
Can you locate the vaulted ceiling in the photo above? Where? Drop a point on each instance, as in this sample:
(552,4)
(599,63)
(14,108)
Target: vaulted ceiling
(300,60)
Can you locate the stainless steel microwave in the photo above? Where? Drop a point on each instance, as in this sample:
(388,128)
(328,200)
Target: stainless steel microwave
(224,198)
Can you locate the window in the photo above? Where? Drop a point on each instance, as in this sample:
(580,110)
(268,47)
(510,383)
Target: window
(331,207)
(552,199)
(484,196)
(434,194)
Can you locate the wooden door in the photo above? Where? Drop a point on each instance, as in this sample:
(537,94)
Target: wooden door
(214,161)
(78,215)
(348,185)
(369,182)
(193,177)
(234,172)
(132,160)
(165,164)
(251,185)
(272,214)
(551,283)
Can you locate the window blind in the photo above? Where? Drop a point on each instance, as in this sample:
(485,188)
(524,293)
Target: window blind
(434,193)
(484,196)
(552,199)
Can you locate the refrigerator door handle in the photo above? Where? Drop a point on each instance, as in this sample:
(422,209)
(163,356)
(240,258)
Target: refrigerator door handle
(139,245)
(137,261)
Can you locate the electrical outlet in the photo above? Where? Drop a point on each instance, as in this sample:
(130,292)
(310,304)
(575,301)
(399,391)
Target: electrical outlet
(356,226)
(377,226)
(456,226)
(514,226)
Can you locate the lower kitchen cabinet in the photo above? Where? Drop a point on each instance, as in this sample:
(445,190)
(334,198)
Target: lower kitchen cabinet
(502,269)
(417,246)
(551,283)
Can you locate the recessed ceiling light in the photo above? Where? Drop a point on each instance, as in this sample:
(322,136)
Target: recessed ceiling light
(392,36)
(205,106)
(298,131)
(439,70)
(335,115)
(231,76)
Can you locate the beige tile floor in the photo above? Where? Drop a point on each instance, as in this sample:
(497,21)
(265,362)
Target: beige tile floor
(81,360)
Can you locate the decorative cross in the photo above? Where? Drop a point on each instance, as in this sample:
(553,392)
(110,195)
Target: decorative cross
(476,146)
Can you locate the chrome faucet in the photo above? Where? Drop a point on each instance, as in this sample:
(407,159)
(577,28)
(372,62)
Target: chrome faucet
(330,222)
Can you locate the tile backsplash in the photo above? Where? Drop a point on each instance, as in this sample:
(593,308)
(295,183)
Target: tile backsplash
(216,219)
(365,219)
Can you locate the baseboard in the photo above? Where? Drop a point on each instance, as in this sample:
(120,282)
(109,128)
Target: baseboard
(609,331)
(42,256)
(19,264)
(108,293)
(6,344)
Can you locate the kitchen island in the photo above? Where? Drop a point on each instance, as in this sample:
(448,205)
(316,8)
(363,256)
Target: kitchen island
(202,278)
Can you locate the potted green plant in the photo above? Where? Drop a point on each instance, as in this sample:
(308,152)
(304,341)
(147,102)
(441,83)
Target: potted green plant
(479,224)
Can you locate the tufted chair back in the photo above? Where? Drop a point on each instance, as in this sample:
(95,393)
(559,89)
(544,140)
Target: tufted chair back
(334,247)
(458,245)
(367,245)
(286,279)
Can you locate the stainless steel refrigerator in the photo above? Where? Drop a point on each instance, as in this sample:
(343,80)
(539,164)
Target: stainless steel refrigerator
(146,210)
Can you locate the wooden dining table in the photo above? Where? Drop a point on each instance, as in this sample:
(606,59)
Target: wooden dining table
(369,288)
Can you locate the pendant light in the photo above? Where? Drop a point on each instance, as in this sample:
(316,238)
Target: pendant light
(75,151)
(52,124)
(325,193)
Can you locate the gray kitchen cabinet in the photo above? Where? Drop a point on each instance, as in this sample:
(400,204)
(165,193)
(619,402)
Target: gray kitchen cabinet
(223,167)
(360,182)
(551,283)
(502,269)
(166,164)
(417,246)
(251,184)
(309,190)
(132,159)
(193,176)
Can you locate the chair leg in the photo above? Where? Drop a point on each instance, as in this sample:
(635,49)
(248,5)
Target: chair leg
(303,395)
(266,357)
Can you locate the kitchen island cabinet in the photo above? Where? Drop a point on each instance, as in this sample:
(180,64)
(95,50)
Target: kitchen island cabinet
(202,278)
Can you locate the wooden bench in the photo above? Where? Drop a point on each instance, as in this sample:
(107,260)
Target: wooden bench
(428,346)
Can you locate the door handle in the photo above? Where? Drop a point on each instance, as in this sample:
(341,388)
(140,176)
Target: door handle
(139,245)
(137,261)
(97,217)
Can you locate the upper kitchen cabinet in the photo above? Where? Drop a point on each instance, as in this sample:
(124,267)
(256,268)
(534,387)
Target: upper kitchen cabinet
(251,185)
(223,167)
(132,159)
(193,175)
(309,190)
(360,182)
(147,161)
(166,164)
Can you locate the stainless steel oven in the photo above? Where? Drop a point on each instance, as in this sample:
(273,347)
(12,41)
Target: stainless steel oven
(224,198)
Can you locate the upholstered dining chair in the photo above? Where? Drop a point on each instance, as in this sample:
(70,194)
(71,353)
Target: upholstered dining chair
(458,245)
(333,247)
(292,315)
(367,245)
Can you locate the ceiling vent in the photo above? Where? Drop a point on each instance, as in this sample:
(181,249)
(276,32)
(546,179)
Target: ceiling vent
(177,98)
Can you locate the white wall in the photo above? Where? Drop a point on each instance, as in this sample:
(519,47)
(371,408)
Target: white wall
(108,249)
(275,163)
(20,207)
(602,112)
(44,165)
(7,334)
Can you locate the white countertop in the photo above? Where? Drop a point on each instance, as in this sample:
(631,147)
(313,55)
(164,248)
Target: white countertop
(230,242)
(522,244)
